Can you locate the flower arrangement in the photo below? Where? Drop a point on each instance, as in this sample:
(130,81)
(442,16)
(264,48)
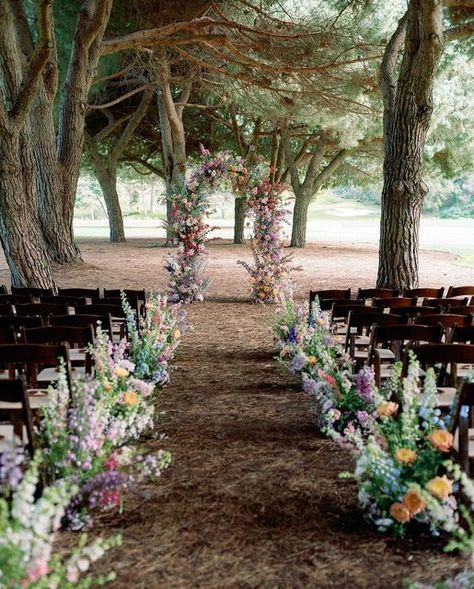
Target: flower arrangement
(404,472)
(270,270)
(185,269)
(154,338)
(344,403)
(28,528)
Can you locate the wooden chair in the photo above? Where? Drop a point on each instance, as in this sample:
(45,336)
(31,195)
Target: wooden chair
(19,321)
(116,312)
(460,291)
(31,291)
(445,358)
(6,309)
(69,300)
(394,302)
(83,320)
(78,339)
(340,313)
(447,320)
(38,362)
(344,305)
(397,338)
(140,294)
(328,294)
(464,310)
(421,293)
(414,311)
(15,402)
(92,294)
(377,293)
(359,329)
(43,309)
(15,299)
(462,334)
(460,425)
(445,303)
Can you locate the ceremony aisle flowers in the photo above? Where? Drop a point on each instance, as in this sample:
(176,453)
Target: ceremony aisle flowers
(404,471)
(28,528)
(271,268)
(344,402)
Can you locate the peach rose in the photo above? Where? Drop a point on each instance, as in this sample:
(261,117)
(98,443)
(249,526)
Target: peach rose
(441,439)
(400,513)
(121,372)
(177,333)
(413,502)
(107,386)
(405,456)
(311,360)
(130,398)
(387,409)
(440,487)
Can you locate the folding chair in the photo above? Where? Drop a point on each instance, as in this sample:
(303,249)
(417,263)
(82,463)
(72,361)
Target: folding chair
(426,292)
(377,293)
(92,294)
(397,338)
(14,401)
(393,302)
(32,291)
(84,320)
(444,358)
(38,362)
(78,339)
(460,291)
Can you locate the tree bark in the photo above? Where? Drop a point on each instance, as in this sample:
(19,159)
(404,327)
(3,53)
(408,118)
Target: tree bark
(107,178)
(20,227)
(408,105)
(300,220)
(240,211)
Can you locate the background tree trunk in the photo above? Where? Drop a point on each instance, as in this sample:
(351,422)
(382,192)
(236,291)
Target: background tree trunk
(20,227)
(408,105)
(300,220)
(107,178)
(240,211)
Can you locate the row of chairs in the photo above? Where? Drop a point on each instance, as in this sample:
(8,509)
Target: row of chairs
(379,334)
(32,345)
(90,293)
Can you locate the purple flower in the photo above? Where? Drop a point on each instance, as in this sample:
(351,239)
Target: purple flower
(298,362)
(310,385)
(10,468)
(363,417)
(365,384)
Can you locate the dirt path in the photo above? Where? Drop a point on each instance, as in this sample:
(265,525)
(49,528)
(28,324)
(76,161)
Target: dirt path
(252,499)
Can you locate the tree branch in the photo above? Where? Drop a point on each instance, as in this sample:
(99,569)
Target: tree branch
(132,125)
(387,74)
(295,180)
(460,31)
(41,56)
(117,100)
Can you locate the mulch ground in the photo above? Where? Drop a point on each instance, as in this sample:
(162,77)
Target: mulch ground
(252,499)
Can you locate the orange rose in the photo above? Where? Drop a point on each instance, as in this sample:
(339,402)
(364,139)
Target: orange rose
(413,502)
(121,372)
(405,456)
(400,513)
(177,333)
(311,360)
(440,487)
(441,439)
(130,398)
(387,409)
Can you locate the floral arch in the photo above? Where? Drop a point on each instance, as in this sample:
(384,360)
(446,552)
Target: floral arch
(269,272)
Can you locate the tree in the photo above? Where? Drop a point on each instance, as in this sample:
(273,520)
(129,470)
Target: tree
(408,104)
(105,160)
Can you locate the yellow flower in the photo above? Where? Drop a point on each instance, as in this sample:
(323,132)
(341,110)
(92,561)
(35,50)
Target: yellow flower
(400,513)
(176,333)
(387,409)
(413,502)
(440,487)
(130,398)
(441,439)
(121,372)
(405,456)
(107,386)
(311,360)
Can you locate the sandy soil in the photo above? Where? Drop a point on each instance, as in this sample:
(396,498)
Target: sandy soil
(139,263)
(253,499)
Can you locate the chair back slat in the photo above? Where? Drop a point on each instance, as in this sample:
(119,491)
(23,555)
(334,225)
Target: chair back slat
(83,320)
(377,293)
(32,291)
(14,392)
(457,291)
(394,302)
(433,293)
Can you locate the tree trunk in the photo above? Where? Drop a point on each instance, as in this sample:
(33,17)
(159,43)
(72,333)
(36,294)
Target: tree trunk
(240,211)
(408,106)
(20,228)
(107,177)
(300,220)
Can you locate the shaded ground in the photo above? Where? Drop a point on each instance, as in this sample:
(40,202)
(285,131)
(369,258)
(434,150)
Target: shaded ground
(253,498)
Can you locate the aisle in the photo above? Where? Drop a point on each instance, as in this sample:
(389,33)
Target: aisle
(252,499)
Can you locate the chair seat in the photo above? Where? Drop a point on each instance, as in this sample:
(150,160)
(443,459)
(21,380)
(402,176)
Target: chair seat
(48,375)
(77,354)
(385,354)
(446,396)
(362,340)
